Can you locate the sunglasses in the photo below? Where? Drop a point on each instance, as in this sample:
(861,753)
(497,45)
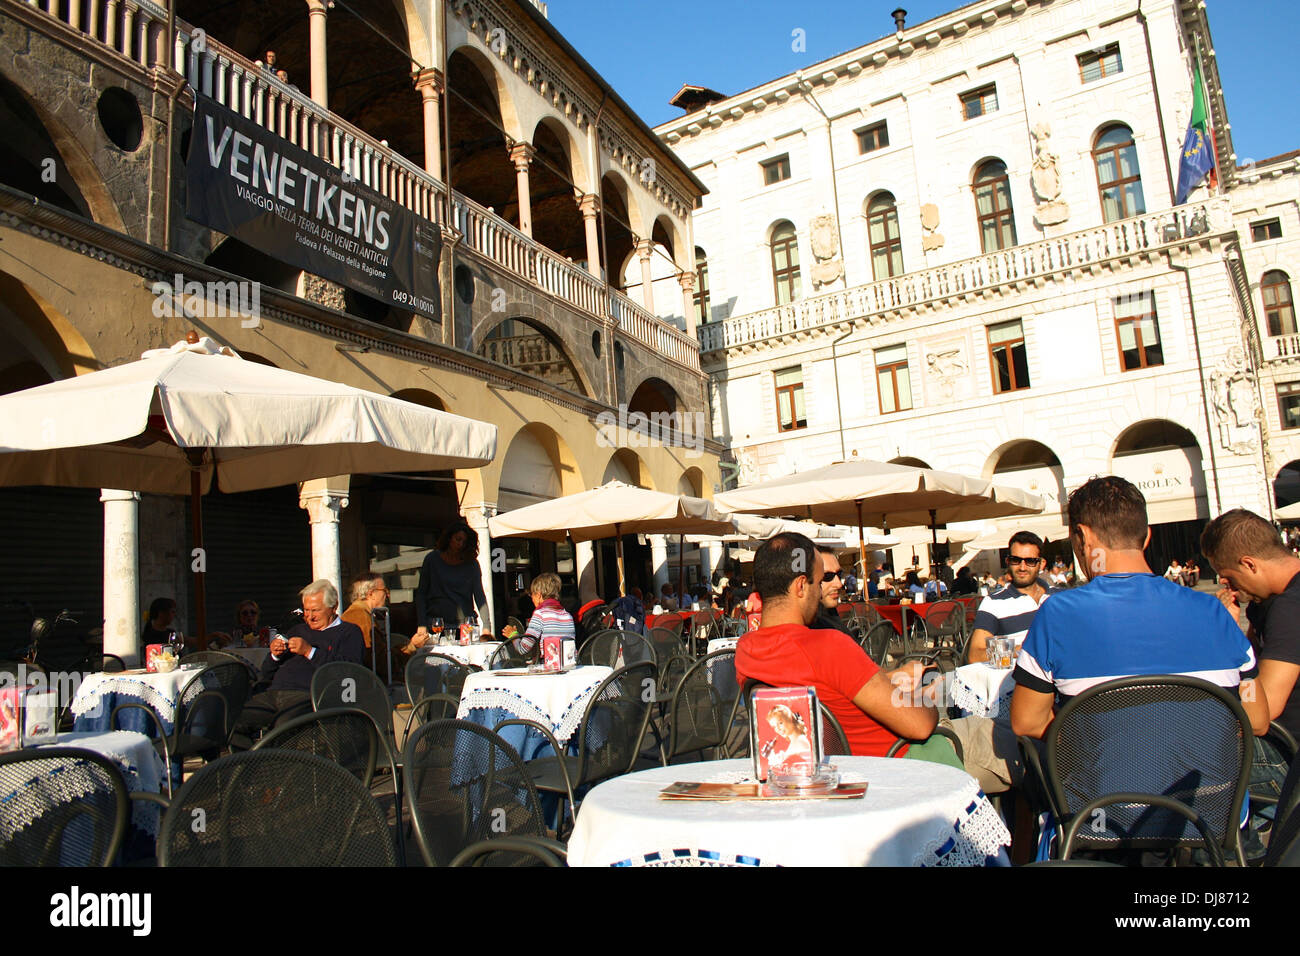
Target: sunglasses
(1029,561)
(829,576)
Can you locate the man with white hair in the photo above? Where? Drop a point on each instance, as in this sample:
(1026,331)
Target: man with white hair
(321,638)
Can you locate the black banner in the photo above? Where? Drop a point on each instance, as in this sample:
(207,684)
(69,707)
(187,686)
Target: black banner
(248,183)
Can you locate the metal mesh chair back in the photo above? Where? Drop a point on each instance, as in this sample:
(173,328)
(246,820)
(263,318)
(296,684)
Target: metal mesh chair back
(720,668)
(509,655)
(465,784)
(700,713)
(219,657)
(615,722)
(1178,737)
(275,807)
(614,648)
(346,735)
(834,741)
(344,684)
(878,640)
(666,644)
(60,806)
(707,625)
(671,621)
(428,672)
(212,699)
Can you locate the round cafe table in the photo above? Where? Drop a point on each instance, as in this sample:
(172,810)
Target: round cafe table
(477,654)
(980,690)
(556,701)
(914,814)
(902,615)
(98,694)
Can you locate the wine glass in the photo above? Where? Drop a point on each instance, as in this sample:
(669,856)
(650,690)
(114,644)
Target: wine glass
(435,630)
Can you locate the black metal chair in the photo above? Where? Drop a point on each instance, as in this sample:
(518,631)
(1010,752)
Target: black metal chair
(943,631)
(429,672)
(609,737)
(61,806)
(220,657)
(939,731)
(881,642)
(344,684)
(516,848)
(616,649)
(346,735)
(670,621)
(510,655)
(275,807)
(835,743)
(1171,737)
(466,785)
(701,711)
(209,705)
(705,626)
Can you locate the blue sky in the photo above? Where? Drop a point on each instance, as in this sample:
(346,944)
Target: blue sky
(648,50)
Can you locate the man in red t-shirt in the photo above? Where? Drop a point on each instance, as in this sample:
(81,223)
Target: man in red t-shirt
(786,652)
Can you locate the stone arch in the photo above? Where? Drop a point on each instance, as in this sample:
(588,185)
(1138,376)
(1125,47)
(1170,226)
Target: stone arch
(421,396)
(909,461)
(627,466)
(620,224)
(1163,459)
(527,344)
(556,177)
(574,150)
(537,465)
(654,396)
(1030,466)
(1286,484)
(497,84)
(691,482)
(42,343)
(32,128)
(666,233)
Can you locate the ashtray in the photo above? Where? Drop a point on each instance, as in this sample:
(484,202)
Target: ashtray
(824,780)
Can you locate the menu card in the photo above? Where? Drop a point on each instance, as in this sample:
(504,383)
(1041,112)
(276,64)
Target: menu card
(757,791)
(785,732)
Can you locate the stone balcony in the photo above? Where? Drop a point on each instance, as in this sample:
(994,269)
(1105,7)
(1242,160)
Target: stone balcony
(940,287)
(135,29)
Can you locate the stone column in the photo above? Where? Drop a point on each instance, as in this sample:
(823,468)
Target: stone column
(658,561)
(476,516)
(429,83)
(521,154)
(323,499)
(717,550)
(121,574)
(687,281)
(645,249)
(585,565)
(590,207)
(316,12)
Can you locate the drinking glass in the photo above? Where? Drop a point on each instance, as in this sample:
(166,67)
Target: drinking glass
(435,630)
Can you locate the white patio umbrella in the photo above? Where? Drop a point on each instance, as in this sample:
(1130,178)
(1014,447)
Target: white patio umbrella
(612,510)
(180,419)
(880,495)
(1288,513)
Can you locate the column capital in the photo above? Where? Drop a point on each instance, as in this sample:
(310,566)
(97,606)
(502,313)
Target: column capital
(429,81)
(477,515)
(322,505)
(117,494)
(318,7)
(521,154)
(687,281)
(589,205)
(645,248)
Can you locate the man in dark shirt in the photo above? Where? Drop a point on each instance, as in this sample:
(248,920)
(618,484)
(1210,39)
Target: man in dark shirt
(828,617)
(1254,566)
(321,638)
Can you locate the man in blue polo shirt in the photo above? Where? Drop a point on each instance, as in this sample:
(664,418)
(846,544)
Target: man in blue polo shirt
(1126,621)
(1009,612)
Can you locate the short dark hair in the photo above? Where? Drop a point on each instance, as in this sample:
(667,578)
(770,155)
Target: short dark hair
(159,605)
(1026,537)
(1113,508)
(780,560)
(1240,532)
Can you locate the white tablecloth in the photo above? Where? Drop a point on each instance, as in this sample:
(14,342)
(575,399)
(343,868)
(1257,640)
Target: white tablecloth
(556,701)
(980,690)
(162,692)
(722,644)
(914,814)
(140,764)
(477,654)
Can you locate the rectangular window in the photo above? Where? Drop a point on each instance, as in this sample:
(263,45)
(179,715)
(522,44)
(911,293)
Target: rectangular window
(790,412)
(776,170)
(892,379)
(1288,404)
(1266,229)
(872,138)
(1007,357)
(1096,64)
(978,102)
(1138,332)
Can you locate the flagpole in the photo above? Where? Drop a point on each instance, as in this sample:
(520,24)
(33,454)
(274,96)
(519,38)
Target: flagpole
(1209,116)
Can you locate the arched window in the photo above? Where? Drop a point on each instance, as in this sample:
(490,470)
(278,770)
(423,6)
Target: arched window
(1279,310)
(883,237)
(993,206)
(1118,179)
(701,286)
(785,262)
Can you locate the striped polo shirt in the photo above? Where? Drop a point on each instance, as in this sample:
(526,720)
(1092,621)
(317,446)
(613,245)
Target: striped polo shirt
(550,619)
(1009,612)
(1130,625)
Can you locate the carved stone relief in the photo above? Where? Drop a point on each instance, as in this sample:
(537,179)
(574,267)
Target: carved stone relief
(1046,178)
(824,239)
(931,239)
(1236,403)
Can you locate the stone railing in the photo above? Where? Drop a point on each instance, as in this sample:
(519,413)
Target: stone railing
(1115,240)
(135,29)
(1288,346)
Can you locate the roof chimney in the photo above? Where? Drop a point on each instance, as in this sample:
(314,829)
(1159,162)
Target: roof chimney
(900,19)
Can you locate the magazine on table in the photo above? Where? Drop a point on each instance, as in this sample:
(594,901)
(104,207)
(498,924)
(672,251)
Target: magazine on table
(785,732)
(757,791)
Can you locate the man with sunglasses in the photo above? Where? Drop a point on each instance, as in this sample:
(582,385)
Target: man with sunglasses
(1010,611)
(828,617)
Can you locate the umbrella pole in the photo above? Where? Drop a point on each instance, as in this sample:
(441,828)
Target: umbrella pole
(862,548)
(934,548)
(618,548)
(196,527)
(681,572)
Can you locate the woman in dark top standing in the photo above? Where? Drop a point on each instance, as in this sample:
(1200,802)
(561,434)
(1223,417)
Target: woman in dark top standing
(451,584)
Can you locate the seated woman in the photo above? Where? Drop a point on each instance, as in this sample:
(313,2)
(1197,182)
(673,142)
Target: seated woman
(248,631)
(550,619)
